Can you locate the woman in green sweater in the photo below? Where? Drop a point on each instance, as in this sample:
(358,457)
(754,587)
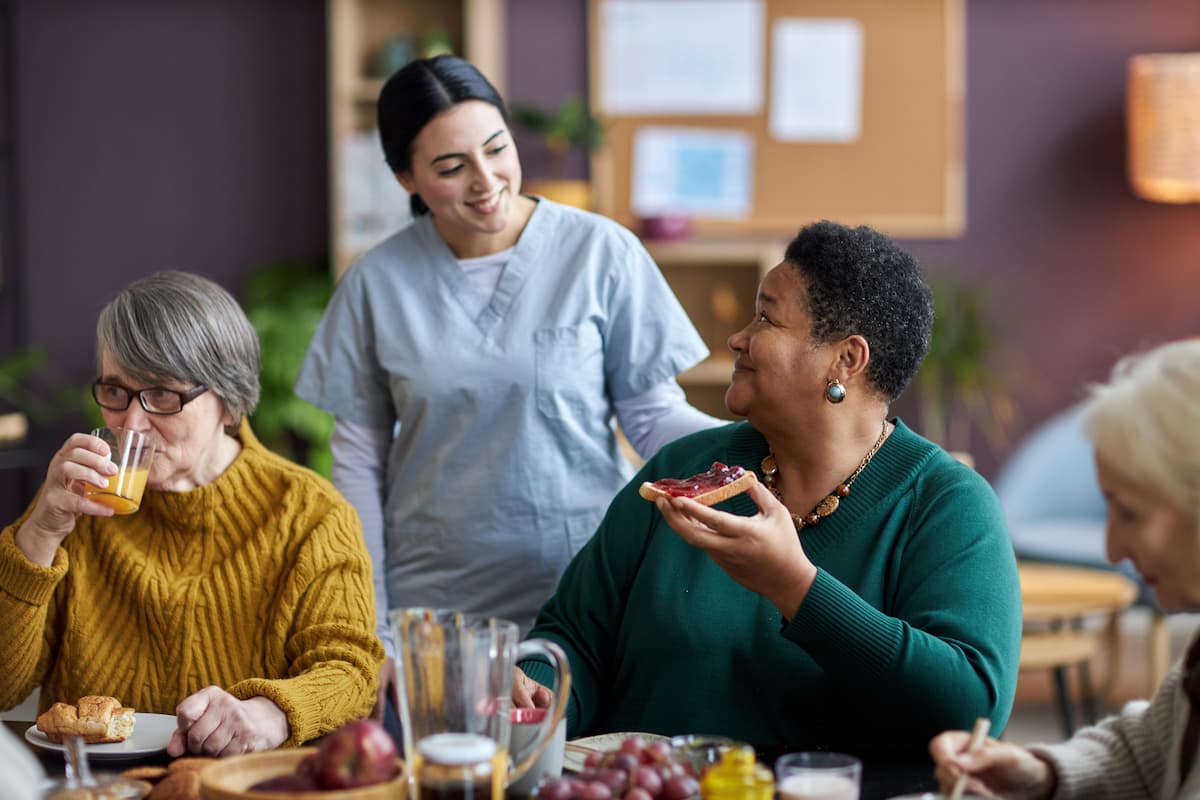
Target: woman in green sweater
(863,595)
(238,598)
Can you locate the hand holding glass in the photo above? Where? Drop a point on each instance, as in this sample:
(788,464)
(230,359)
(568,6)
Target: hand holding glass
(132,452)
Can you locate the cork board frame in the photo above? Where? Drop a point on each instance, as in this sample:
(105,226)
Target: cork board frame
(905,174)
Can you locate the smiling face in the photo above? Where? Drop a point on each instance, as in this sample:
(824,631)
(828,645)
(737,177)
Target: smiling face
(192,449)
(465,167)
(777,363)
(1162,542)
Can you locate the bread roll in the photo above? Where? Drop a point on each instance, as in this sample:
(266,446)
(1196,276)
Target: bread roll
(99,719)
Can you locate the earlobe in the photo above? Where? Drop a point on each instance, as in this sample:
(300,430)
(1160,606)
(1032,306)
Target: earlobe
(405,179)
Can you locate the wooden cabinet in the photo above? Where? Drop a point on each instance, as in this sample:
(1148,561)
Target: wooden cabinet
(716,280)
(368,39)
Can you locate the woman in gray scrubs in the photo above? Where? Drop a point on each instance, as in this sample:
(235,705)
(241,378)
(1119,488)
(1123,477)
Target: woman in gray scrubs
(476,362)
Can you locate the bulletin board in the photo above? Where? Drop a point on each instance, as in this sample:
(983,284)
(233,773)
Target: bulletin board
(903,174)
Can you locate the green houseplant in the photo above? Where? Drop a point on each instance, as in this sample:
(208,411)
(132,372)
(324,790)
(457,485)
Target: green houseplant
(32,393)
(285,302)
(562,130)
(959,385)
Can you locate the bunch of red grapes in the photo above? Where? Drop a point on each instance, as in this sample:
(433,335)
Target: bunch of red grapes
(634,771)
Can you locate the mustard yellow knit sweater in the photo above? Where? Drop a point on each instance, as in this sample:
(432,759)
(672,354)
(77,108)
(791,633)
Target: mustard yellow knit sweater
(258,583)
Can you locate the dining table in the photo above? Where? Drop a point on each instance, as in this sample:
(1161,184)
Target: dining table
(883,776)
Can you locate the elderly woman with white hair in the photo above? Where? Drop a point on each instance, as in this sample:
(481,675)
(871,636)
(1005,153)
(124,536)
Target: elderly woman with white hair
(1145,428)
(238,598)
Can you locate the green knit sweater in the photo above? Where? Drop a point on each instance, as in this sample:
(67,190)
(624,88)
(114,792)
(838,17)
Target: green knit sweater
(258,583)
(912,626)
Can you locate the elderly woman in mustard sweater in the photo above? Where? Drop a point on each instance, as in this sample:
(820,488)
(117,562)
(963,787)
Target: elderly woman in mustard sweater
(238,597)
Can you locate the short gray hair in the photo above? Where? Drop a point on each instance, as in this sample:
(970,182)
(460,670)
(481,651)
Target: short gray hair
(1145,422)
(176,326)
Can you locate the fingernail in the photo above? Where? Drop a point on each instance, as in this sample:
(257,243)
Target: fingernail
(967,761)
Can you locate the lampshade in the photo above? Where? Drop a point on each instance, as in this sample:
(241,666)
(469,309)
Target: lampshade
(1163,121)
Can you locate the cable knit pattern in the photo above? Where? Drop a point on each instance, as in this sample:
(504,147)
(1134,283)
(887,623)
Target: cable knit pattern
(258,583)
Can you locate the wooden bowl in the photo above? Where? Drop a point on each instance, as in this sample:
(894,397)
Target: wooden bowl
(230,779)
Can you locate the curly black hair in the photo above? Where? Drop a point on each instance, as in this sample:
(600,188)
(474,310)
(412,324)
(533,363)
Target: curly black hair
(861,282)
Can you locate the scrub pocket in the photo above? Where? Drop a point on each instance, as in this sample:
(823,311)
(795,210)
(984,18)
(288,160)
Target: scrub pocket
(570,370)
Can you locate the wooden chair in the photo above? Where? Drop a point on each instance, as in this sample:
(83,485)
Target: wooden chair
(1057,602)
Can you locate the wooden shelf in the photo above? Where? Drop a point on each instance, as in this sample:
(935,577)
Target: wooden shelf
(367,90)
(365,204)
(716,280)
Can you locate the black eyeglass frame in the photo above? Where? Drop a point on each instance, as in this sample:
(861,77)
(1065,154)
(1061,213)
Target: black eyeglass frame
(140,394)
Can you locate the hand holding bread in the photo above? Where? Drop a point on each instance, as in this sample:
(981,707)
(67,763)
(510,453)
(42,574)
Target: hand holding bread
(99,719)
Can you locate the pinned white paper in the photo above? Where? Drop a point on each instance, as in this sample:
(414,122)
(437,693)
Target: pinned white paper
(681,57)
(693,172)
(816,80)
(373,203)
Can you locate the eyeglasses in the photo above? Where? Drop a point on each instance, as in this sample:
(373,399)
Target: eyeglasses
(155,400)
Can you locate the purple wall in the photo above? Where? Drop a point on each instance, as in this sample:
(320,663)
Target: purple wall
(162,135)
(546,64)
(1081,270)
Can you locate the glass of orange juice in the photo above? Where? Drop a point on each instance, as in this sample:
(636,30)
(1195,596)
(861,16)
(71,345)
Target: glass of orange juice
(131,451)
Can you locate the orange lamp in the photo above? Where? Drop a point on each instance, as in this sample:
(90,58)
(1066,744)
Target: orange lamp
(1163,122)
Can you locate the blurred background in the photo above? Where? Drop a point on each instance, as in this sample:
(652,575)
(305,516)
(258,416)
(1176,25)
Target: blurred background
(230,138)
(138,135)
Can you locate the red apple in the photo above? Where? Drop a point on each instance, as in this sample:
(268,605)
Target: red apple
(359,753)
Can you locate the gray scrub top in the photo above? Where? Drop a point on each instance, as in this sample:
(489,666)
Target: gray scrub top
(506,456)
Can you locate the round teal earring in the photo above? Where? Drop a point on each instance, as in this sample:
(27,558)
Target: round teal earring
(835,392)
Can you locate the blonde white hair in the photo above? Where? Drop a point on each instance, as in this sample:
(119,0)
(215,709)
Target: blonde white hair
(1145,422)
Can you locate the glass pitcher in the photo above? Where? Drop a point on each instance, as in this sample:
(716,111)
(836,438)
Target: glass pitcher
(454,675)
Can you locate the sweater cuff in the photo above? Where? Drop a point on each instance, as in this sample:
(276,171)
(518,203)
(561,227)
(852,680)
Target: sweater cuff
(28,582)
(1073,775)
(833,622)
(538,670)
(294,705)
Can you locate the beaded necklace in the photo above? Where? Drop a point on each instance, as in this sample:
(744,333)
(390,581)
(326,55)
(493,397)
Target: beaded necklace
(831,502)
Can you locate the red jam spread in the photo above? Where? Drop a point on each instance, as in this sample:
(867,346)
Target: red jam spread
(720,475)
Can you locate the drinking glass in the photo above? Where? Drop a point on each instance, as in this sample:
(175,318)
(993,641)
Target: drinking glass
(132,451)
(818,776)
(699,751)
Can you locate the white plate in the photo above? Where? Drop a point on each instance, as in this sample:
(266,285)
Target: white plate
(151,734)
(573,759)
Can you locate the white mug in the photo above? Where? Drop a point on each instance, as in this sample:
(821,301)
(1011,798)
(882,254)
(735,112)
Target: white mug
(525,725)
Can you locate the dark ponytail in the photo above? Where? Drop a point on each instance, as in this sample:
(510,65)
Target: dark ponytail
(417,93)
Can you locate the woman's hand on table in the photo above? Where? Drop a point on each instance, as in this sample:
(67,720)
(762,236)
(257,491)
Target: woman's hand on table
(997,769)
(528,693)
(761,552)
(213,722)
(82,459)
